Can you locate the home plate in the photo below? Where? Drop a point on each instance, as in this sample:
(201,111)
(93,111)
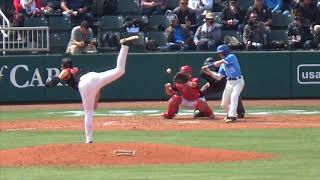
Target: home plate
(111,123)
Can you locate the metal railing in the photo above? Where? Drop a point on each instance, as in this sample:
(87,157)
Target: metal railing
(5,23)
(17,39)
(26,39)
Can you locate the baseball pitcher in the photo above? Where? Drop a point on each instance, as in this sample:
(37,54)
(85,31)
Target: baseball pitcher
(185,92)
(90,84)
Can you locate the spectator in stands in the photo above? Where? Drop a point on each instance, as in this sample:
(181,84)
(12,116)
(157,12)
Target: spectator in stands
(25,8)
(263,12)
(150,7)
(51,7)
(201,6)
(309,10)
(280,6)
(316,34)
(77,9)
(299,34)
(219,5)
(208,35)
(81,40)
(233,16)
(179,37)
(254,35)
(185,13)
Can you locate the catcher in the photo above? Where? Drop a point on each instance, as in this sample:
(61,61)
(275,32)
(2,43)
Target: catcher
(90,84)
(185,92)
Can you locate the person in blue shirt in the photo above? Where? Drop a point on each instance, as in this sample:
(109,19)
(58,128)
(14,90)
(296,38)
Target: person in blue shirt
(229,67)
(179,37)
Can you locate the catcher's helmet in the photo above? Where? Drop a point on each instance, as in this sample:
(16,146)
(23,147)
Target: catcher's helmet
(223,48)
(186,69)
(208,61)
(66,63)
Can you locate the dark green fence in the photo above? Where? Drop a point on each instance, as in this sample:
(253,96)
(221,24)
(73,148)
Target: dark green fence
(267,75)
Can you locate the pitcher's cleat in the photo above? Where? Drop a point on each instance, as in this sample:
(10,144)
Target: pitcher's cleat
(128,40)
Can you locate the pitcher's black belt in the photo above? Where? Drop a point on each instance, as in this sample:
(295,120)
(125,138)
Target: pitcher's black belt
(235,78)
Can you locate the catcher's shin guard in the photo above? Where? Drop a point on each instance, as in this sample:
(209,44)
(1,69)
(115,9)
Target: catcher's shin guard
(173,107)
(204,108)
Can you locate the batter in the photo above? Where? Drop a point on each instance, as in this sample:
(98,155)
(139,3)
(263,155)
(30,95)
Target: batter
(229,68)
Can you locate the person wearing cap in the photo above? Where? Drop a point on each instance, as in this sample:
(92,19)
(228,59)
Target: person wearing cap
(179,37)
(233,16)
(208,35)
(229,67)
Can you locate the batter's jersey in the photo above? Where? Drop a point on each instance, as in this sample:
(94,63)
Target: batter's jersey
(231,69)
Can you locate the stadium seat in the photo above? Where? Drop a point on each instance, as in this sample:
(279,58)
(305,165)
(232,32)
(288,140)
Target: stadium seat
(279,35)
(107,46)
(59,23)
(138,45)
(172,4)
(128,7)
(59,41)
(159,36)
(281,21)
(158,22)
(233,33)
(278,38)
(111,23)
(141,18)
(245,4)
(35,21)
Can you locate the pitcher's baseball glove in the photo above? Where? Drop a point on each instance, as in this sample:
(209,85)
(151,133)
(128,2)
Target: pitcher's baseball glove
(180,78)
(52,81)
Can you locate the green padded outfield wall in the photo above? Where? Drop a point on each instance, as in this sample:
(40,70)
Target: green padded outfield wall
(267,75)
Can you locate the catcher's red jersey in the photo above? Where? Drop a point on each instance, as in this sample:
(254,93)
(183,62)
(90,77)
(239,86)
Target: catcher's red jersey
(188,92)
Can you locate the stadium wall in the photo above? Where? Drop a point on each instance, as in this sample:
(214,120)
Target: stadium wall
(274,75)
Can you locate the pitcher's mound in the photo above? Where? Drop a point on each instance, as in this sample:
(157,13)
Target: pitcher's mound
(105,154)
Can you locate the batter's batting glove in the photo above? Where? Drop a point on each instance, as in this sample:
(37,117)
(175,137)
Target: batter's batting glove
(52,81)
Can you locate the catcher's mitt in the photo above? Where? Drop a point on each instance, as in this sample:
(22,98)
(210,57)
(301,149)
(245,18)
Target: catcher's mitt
(180,78)
(52,81)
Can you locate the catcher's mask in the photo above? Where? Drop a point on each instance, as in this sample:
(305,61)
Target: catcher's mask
(66,63)
(186,69)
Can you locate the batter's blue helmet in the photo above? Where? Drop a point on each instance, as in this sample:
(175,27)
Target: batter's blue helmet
(223,48)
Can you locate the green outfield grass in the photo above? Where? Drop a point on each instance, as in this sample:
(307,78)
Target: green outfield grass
(296,152)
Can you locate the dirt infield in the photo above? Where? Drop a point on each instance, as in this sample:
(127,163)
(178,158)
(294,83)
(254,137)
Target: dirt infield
(142,123)
(101,153)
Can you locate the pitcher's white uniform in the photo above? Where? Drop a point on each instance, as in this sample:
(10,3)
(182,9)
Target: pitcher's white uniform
(91,83)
